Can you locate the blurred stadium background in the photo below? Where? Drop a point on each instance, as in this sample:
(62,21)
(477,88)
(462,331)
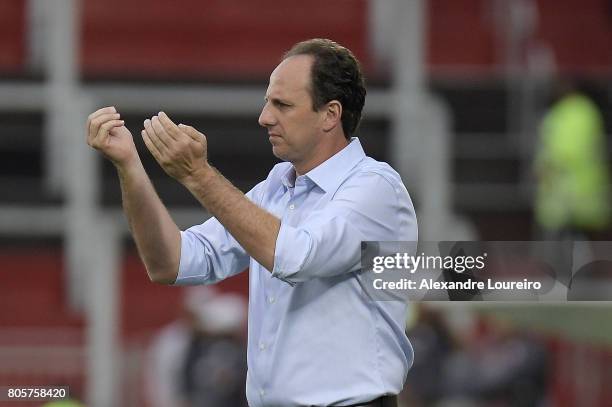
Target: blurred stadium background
(456,90)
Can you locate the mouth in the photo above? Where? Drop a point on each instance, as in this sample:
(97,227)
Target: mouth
(273,136)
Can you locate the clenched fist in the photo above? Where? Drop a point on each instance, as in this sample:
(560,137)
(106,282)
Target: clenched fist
(106,133)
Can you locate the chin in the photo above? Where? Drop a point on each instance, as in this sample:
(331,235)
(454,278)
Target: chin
(279,153)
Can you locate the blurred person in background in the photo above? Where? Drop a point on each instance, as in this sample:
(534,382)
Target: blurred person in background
(198,360)
(214,366)
(573,197)
(501,366)
(63,403)
(315,335)
(505,366)
(166,354)
(433,342)
(74,396)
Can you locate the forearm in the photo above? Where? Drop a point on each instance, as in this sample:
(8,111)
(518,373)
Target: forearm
(156,235)
(253,227)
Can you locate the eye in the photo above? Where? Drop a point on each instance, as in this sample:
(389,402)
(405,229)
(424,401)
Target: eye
(280,104)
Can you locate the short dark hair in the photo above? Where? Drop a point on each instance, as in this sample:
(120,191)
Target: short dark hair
(335,75)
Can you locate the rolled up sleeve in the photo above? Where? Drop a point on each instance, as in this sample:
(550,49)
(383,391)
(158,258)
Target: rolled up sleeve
(209,253)
(369,206)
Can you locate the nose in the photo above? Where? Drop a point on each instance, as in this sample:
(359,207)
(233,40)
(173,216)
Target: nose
(266,118)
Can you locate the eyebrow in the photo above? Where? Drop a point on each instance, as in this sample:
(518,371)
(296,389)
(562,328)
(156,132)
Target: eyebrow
(277,100)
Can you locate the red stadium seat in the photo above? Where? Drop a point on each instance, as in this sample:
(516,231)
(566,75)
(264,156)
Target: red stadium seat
(12,36)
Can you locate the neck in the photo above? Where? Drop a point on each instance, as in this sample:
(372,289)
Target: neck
(324,154)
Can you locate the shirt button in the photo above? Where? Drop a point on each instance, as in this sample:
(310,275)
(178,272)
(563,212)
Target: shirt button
(292,206)
(271,300)
(262,392)
(262,346)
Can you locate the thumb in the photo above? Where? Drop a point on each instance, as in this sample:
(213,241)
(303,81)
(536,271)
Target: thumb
(191,132)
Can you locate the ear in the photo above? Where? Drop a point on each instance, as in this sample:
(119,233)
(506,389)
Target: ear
(333,115)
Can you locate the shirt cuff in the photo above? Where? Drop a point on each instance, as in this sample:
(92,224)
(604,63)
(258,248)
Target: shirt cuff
(188,273)
(289,257)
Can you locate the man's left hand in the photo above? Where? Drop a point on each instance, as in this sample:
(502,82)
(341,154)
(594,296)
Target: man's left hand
(180,150)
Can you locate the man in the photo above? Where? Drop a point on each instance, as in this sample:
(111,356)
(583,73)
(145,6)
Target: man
(573,196)
(198,360)
(316,337)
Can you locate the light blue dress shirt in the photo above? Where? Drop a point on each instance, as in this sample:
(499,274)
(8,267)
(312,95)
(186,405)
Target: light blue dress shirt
(315,337)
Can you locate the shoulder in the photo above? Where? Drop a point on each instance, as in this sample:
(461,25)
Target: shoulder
(379,201)
(375,188)
(380,168)
(371,175)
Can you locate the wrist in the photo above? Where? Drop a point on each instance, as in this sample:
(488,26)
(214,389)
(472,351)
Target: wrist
(199,177)
(129,165)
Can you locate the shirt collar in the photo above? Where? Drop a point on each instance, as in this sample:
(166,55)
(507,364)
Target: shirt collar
(288,177)
(330,173)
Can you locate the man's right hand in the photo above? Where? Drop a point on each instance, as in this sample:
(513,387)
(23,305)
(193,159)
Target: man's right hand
(106,133)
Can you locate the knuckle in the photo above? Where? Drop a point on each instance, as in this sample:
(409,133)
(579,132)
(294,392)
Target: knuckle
(183,144)
(106,127)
